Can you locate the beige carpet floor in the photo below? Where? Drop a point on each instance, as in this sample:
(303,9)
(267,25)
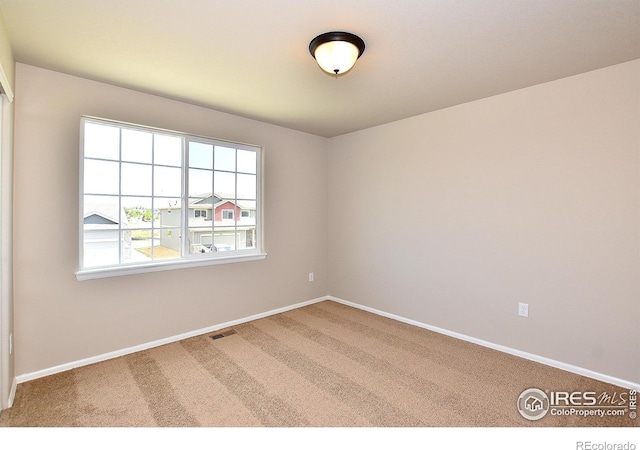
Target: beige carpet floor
(323,365)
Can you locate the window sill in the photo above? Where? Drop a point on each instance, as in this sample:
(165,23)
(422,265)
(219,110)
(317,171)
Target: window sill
(108,272)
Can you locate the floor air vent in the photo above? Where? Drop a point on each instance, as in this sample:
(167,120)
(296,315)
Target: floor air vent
(223,334)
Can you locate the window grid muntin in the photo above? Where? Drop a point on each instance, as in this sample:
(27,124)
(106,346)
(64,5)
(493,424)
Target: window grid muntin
(156,229)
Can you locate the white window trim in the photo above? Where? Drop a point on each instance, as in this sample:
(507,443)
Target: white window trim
(189,261)
(116,271)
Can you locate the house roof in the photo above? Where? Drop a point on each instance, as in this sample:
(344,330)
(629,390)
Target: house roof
(204,199)
(98,219)
(197,203)
(251,57)
(107,211)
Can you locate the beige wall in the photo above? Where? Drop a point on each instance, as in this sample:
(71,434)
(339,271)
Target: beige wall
(59,319)
(7,64)
(453,217)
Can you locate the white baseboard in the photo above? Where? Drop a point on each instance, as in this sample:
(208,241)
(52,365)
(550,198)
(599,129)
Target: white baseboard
(137,348)
(536,358)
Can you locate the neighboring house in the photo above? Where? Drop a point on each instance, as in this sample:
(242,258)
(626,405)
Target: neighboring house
(102,224)
(214,225)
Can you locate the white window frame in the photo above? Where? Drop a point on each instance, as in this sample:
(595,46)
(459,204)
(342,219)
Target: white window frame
(186,260)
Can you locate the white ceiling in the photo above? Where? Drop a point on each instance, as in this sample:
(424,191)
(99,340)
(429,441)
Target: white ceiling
(251,57)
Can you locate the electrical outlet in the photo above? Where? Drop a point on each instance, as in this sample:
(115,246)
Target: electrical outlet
(523,309)
(310,277)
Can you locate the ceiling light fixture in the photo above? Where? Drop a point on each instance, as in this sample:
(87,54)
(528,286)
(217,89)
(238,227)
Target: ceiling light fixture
(336,52)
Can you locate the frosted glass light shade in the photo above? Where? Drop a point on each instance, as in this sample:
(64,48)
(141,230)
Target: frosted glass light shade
(336,57)
(336,52)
